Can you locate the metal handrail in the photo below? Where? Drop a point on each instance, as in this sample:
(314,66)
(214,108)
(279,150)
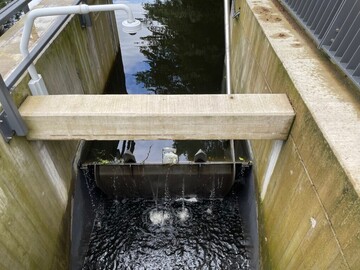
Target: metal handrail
(10,120)
(27,61)
(37,85)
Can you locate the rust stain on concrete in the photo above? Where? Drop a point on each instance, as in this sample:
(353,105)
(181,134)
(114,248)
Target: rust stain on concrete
(280,35)
(266,14)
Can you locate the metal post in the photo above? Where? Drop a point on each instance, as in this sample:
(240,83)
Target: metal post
(228,71)
(227,46)
(10,118)
(85,19)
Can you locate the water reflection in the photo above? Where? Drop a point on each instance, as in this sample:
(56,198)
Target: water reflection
(3,3)
(180,50)
(133,60)
(150,152)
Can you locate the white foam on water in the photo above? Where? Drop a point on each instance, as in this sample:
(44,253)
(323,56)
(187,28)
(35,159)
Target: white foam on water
(183,215)
(159,217)
(192,199)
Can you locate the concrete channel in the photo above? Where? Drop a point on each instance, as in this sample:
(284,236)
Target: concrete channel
(308,213)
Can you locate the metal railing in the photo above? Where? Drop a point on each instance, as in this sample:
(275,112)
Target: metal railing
(335,27)
(10,120)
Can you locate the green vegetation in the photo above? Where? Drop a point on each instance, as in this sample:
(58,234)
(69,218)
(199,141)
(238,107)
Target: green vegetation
(3,3)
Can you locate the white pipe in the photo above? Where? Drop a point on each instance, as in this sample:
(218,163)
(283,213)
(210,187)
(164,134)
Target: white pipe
(64,10)
(228,73)
(227,46)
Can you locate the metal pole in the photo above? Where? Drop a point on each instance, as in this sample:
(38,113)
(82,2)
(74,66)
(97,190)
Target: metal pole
(12,118)
(228,70)
(227,46)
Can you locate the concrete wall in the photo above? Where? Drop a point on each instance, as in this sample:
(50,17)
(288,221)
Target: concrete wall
(36,177)
(310,209)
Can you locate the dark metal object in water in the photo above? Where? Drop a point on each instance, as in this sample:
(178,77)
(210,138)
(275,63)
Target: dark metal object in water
(200,156)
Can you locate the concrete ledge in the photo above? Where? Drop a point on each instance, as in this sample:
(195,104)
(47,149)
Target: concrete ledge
(332,101)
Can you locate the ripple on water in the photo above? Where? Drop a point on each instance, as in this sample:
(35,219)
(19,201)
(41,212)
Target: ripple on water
(135,235)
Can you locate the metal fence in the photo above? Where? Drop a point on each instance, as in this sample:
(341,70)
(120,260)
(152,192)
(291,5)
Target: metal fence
(335,27)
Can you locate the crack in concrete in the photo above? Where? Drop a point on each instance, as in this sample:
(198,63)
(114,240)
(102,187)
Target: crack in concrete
(320,202)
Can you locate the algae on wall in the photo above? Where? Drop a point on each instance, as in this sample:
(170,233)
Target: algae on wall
(36,177)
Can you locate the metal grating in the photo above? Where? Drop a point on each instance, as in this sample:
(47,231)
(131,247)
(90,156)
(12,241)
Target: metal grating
(335,27)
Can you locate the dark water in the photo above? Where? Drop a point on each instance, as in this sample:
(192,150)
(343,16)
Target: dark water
(180,49)
(211,237)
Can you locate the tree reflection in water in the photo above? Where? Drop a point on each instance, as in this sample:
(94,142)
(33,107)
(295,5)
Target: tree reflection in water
(185,53)
(185,50)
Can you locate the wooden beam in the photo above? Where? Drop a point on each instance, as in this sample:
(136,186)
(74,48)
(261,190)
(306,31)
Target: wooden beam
(156,117)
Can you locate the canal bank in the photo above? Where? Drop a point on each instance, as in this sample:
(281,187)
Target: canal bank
(310,207)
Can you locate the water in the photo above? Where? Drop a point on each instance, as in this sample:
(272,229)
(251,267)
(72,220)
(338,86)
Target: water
(180,49)
(133,234)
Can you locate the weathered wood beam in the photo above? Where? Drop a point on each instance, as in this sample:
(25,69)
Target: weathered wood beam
(154,117)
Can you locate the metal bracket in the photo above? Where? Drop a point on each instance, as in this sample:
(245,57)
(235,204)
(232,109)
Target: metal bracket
(11,121)
(5,129)
(85,19)
(26,8)
(236,15)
